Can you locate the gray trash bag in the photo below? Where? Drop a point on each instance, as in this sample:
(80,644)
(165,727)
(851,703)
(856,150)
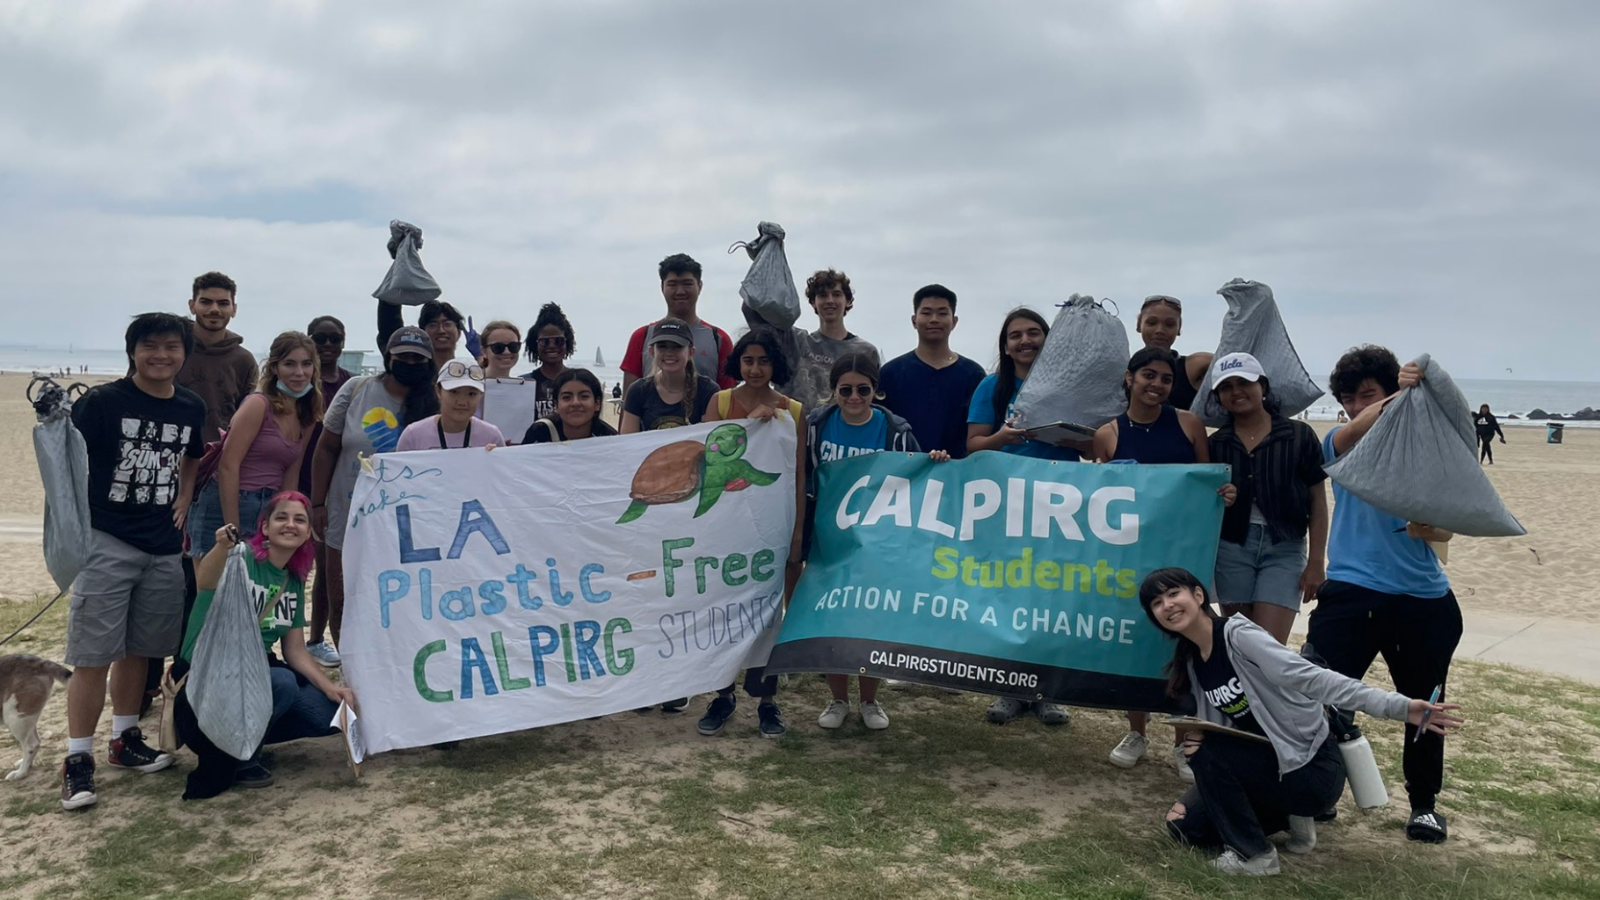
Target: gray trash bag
(407,283)
(1078,375)
(64,470)
(1420,462)
(229,686)
(1253,325)
(768,288)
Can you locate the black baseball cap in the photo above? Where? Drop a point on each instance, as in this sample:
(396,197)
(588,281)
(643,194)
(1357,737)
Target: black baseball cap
(410,339)
(673,331)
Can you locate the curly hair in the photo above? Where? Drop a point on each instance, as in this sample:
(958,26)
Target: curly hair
(827,280)
(1360,363)
(214,280)
(767,339)
(549,314)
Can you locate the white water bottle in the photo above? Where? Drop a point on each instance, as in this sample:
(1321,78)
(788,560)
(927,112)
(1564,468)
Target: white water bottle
(1361,768)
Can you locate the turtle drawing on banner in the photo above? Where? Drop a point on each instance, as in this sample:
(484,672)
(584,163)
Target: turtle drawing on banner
(680,470)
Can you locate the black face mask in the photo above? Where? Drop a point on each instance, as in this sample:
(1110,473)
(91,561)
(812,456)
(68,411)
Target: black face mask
(411,374)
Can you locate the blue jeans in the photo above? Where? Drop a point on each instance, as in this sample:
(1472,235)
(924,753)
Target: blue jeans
(299,709)
(205,516)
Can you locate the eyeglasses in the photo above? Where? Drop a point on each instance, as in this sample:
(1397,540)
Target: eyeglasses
(458,369)
(324,339)
(552,342)
(856,390)
(439,324)
(506,347)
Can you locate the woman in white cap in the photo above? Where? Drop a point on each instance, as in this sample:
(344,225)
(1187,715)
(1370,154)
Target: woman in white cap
(460,387)
(1274,538)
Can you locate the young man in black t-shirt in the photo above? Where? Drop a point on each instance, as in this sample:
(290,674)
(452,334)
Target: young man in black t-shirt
(144,440)
(931,387)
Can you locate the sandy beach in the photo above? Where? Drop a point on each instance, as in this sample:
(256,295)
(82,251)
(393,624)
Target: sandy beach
(1552,489)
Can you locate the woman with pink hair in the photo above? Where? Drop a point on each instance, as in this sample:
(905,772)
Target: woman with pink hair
(304,701)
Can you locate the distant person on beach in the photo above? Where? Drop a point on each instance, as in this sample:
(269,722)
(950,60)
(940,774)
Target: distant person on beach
(680,287)
(304,701)
(852,425)
(328,334)
(220,369)
(551,342)
(144,439)
(1159,324)
(578,399)
(931,387)
(1386,593)
(460,390)
(1488,426)
(502,349)
(1239,676)
(758,362)
(812,353)
(676,394)
(367,416)
(1150,432)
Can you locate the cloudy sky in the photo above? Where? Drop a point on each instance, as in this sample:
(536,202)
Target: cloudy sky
(1419,174)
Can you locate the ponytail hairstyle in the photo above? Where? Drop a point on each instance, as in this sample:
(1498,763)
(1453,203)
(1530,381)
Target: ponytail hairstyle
(307,409)
(689,379)
(1184,651)
(855,362)
(300,563)
(1005,368)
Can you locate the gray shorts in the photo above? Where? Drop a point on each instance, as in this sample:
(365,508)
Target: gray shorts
(125,603)
(1259,571)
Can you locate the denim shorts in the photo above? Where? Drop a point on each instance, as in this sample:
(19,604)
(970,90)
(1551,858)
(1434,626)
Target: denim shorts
(205,516)
(1259,571)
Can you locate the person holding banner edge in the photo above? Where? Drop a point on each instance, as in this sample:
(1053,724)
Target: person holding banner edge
(1240,677)
(757,361)
(852,425)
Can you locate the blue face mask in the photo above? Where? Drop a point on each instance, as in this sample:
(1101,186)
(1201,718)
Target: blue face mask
(295,394)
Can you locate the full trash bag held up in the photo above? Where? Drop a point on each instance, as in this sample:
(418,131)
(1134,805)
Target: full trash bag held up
(1254,325)
(229,687)
(64,471)
(768,288)
(1419,462)
(1078,376)
(407,283)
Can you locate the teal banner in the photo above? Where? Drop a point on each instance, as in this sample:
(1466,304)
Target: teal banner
(998,574)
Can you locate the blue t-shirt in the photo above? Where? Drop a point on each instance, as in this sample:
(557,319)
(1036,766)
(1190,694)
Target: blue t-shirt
(981,412)
(933,400)
(1369,547)
(839,439)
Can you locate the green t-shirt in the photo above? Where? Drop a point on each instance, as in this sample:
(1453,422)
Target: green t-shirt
(279,601)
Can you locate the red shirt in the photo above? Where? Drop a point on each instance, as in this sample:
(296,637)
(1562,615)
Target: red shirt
(712,347)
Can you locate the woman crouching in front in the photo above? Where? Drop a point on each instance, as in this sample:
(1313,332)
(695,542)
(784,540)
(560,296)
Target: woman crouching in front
(1240,676)
(304,701)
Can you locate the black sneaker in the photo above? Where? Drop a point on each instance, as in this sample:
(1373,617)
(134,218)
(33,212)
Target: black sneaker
(131,752)
(1426,826)
(1322,818)
(771,720)
(717,715)
(676,706)
(252,775)
(77,781)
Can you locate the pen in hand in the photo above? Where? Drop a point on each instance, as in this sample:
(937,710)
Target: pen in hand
(1427,714)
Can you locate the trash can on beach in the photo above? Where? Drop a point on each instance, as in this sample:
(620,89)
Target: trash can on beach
(1552,434)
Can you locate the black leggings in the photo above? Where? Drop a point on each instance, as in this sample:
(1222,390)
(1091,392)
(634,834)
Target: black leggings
(1486,448)
(1239,798)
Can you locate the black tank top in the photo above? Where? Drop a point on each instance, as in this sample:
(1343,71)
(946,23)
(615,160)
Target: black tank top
(1183,393)
(1162,441)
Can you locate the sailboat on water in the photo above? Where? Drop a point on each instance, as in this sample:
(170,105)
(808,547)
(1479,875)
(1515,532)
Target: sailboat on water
(599,359)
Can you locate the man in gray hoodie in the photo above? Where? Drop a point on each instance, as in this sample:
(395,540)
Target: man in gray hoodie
(220,369)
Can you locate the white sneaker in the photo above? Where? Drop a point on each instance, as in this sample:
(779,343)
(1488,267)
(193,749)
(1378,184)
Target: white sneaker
(835,714)
(1302,834)
(873,716)
(1181,763)
(324,654)
(1231,863)
(1129,750)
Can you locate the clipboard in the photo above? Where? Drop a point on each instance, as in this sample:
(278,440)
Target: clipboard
(1190,723)
(1056,432)
(509,404)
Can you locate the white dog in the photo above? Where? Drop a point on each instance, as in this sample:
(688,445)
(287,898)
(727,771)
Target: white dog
(26,683)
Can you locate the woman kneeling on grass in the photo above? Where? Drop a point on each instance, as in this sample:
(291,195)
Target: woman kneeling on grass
(1240,676)
(304,701)
(852,425)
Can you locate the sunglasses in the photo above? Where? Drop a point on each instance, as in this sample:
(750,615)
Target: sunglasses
(506,347)
(1173,302)
(323,340)
(856,390)
(458,369)
(552,342)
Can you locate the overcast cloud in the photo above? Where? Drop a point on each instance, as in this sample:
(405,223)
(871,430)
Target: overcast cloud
(1418,174)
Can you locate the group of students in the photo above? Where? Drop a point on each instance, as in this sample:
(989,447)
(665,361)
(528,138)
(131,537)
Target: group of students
(280,482)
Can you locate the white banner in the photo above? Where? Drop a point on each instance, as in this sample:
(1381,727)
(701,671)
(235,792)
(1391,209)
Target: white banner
(493,591)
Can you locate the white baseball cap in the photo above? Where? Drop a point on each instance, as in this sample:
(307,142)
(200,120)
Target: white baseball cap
(460,373)
(1236,365)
